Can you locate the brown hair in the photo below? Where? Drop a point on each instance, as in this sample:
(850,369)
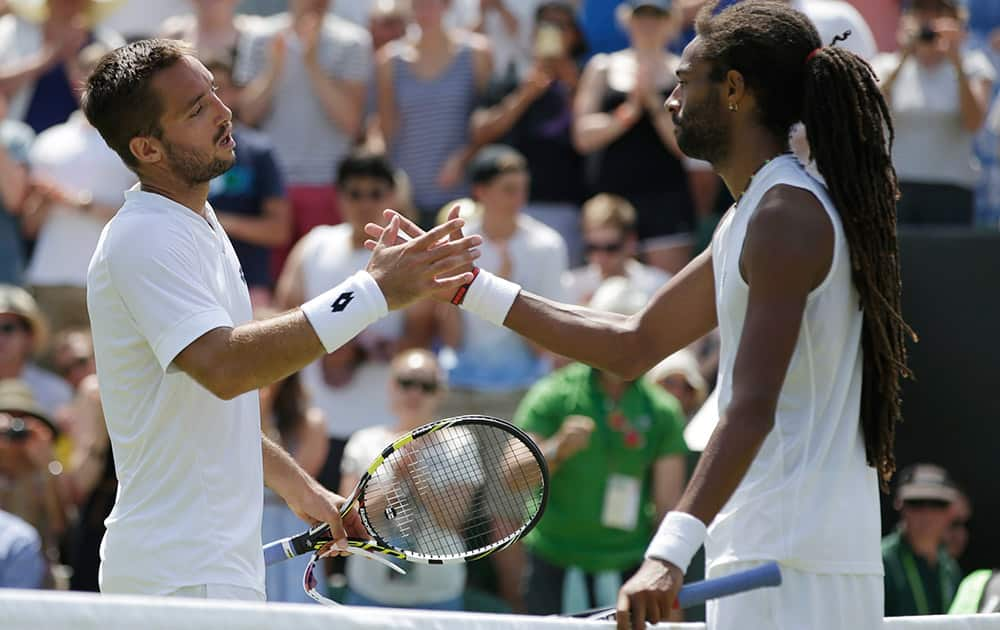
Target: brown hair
(605,210)
(119,99)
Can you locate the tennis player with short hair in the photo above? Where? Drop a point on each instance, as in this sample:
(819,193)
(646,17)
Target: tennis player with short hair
(179,357)
(802,279)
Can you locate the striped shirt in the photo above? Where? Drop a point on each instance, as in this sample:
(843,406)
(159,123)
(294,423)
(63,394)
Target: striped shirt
(432,123)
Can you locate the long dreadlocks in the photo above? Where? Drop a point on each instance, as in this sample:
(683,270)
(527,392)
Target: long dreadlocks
(848,124)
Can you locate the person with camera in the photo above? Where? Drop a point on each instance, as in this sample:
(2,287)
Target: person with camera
(532,112)
(938,93)
(31,511)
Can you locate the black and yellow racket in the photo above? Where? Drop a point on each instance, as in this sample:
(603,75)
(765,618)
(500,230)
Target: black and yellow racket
(455,490)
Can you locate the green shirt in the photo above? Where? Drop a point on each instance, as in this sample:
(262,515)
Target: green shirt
(912,586)
(645,425)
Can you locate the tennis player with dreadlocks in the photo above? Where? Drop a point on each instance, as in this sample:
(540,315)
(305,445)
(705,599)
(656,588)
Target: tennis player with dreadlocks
(802,280)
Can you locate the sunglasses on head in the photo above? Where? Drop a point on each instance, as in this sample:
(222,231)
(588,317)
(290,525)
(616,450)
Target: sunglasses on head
(428,387)
(608,248)
(360,194)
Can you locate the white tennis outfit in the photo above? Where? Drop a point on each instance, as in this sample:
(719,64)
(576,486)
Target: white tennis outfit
(190,475)
(809,500)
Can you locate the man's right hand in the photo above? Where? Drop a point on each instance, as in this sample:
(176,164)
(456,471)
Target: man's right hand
(573,436)
(408,270)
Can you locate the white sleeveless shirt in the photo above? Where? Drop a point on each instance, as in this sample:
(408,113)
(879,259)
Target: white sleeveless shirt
(809,499)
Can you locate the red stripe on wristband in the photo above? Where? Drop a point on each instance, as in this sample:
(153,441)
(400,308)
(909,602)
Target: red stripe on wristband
(462,290)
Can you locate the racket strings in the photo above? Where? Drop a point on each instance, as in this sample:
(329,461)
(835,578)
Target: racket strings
(455,492)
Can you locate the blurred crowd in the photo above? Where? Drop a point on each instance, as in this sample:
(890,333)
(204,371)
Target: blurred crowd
(544,121)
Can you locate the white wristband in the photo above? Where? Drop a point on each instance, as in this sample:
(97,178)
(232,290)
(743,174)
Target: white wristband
(490,297)
(341,313)
(677,540)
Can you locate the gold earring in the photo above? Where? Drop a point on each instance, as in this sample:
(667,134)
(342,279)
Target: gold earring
(733,107)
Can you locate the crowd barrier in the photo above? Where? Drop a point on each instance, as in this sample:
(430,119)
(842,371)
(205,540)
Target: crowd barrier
(49,610)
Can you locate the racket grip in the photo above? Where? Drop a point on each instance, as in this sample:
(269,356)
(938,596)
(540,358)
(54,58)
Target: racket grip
(305,542)
(275,552)
(699,592)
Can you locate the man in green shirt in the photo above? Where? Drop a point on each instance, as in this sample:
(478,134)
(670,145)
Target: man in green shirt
(616,453)
(920,577)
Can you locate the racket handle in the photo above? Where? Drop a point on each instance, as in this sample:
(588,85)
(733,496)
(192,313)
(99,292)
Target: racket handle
(699,592)
(286,548)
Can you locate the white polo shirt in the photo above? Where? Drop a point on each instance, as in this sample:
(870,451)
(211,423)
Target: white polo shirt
(190,475)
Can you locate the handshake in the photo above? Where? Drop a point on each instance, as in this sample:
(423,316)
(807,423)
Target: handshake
(409,264)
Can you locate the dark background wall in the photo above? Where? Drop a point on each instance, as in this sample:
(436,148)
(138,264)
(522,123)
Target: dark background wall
(951,297)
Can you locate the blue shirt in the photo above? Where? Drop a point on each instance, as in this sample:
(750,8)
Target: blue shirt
(242,190)
(21,562)
(16,138)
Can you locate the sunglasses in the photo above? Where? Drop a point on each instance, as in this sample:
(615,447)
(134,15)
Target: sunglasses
(9,328)
(934,504)
(359,194)
(608,248)
(428,387)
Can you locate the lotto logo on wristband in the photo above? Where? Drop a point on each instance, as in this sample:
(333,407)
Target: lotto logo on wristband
(342,301)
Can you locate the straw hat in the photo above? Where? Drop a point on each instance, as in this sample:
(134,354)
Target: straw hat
(38,10)
(16,301)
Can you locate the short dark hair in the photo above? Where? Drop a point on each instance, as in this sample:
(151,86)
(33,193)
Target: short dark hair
(119,100)
(495,160)
(363,163)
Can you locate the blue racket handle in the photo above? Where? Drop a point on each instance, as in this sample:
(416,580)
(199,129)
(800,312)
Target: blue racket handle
(274,552)
(700,592)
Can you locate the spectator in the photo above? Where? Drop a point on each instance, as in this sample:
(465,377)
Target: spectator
(79,185)
(611,244)
(416,387)
(28,472)
(622,123)
(833,18)
(979,593)
(23,333)
(490,368)
(140,19)
(22,564)
(461,14)
(288,418)
(615,451)
(679,376)
(957,537)
(249,199)
(73,356)
(214,30)
(387,22)
(305,76)
(349,384)
(920,577)
(510,27)
(38,43)
(938,94)
(427,90)
(15,144)
(533,113)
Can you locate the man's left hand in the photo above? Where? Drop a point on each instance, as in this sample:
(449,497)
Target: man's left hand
(319,505)
(648,595)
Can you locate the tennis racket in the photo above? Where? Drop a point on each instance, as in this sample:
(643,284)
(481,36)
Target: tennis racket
(697,593)
(455,490)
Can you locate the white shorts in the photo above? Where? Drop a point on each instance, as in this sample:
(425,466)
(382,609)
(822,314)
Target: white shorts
(219,591)
(816,601)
